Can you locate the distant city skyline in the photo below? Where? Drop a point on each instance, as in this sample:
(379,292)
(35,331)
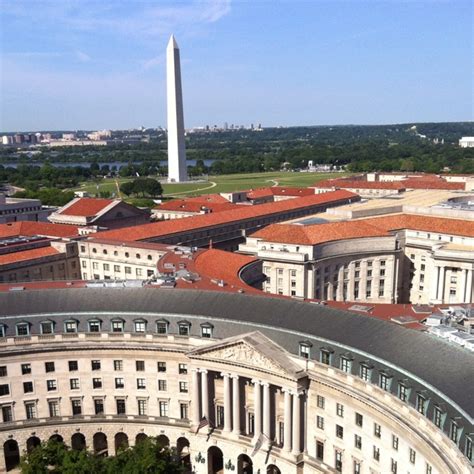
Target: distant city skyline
(94,65)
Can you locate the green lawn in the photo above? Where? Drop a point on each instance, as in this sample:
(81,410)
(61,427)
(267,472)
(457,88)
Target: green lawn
(218,184)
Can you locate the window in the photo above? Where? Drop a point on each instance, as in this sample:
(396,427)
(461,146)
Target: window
(183,328)
(25,369)
(76,407)
(30,409)
(395,442)
(119,383)
(454,432)
(339,409)
(95,364)
(141,384)
(320,422)
(385,381)
(28,387)
(140,365)
(402,392)
(142,407)
(321,401)
(206,330)
(106,267)
(356,467)
(120,404)
(7,413)
(96,383)
(51,385)
(138,272)
(468,450)
(74,384)
(47,327)
(53,407)
(162,327)
(346,364)
(182,369)
(339,431)
(22,329)
(412,456)
(358,441)
(162,385)
(94,325)
(3,371)
(376,454)
(117,268)
(117,325)
(429,469)
(98,406)
(325,357)
(183,411)
(338,461)
(183,387)
(161,366)
(2,330)
(359,419)
(305,350)
(163,409)
(365,372)
(49,366)
(128,270)
(421,404)
(70,326)
(140,325)
(118,365)
(377,430)
(438,417)
(393,466)
(73,365)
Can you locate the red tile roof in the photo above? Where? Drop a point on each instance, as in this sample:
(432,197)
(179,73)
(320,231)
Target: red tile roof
(85,207)
(29,229)
(360,184)
(33,254)
(44,285)
(208,198)
(240,213)
(187,205)
(279,191)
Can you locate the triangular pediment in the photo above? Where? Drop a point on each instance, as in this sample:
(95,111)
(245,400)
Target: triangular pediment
(252,350)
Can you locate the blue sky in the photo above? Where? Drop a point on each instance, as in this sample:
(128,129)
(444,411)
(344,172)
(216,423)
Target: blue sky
(92,64)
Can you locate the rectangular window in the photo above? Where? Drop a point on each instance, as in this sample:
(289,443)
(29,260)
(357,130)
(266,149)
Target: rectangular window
(358,441)
(206,331)
(117,268)
(429,469)
(338,461)
(320,422)
(49,366)
(377,430)
(339,431)
(162,328)
(183,411)
(346,364)
(183,387)
(393,466)
(76,407)
(70,326)
(402,392)
(74,384)
(73,365)
(304,351)
(140,365)
(376,454)
(25,369)
(98,406)
(120,404)
(438,417)
(183,330)
(7,413)
(339,409)
(421,404)
(320,450)
(117,326)
(118,365)
(140,326)
(94,326)
(454,432)
(321,401)
(365,373)
(27,387)
(95,364)
(385,381)
(51,385)
(141,384)
(96,383)
(161,366)
(53,406)
(47,328)
(119,383)
(359,419)
(30,409)
(412,456)
(325,357)
(468,450)
(395,442)
(163,409)
(142,407)
(183,369)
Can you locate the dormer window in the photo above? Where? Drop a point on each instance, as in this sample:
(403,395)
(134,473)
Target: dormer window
(345,364)
(117,325)
(70,326)
(94,325)
(23,329)
(3,330)
(305,349)
(365,372)
(184,328)
(47,327)
(385,381)
(326,356)
(162,326)
(139,325)
(206,330)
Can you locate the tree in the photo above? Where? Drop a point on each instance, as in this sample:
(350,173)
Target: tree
(127,188)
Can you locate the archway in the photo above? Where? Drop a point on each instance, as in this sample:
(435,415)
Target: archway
(215,460)
(121,442)
(31,443)
(140,437)
(244,465)
(12,454)
(272,469)
(163,441)
(182,448)
(78,441)
(100,444)
(56,437)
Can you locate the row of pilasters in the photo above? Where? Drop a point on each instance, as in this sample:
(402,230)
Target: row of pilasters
(439,285)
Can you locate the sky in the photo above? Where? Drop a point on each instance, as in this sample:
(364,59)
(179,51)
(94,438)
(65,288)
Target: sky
(95,64)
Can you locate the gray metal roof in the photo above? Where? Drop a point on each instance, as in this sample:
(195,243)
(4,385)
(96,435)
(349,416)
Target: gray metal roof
(446,367)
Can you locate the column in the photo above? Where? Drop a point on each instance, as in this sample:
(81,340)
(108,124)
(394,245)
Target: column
(205,394)
(257,403)
(287,421)
(434,285)
(469,286)
(266,410)
(196,397)
(227,403)
(463,285)
(340,284)
(442,271)
(235,405)
(296,425)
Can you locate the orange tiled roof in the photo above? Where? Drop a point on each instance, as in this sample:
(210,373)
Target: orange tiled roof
(32,254)
(158,229)
(187,205)
(85,207)
(208,198)
(360,184)
(29,228)
(279,191)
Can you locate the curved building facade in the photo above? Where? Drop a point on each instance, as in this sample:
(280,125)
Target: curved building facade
(238,383)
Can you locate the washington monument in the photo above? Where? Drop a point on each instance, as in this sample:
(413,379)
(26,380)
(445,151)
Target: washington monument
(177,171)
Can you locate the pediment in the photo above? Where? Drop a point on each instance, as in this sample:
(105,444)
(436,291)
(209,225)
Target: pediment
(253,350)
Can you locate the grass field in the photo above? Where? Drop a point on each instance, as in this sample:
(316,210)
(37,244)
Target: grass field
(218,184)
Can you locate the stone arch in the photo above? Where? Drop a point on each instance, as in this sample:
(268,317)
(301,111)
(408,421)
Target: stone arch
(31,443)
(121,441)
(182,448)
(100,444)
(140,437)
(215,460)
(78,441)
(272,469)
(56,437)
(11,451)
(163,441)
(244,465)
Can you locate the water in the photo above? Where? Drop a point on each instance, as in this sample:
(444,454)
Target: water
(86,164)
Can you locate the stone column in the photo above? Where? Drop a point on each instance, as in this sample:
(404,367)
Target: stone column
(266,410)
(442,272)
(227,404)
(434,285)
(235,405)
(296,425)
(205,394)
(463,285)
(287,421)
(469,286)
(196,397)
(257,403)
(340,284)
